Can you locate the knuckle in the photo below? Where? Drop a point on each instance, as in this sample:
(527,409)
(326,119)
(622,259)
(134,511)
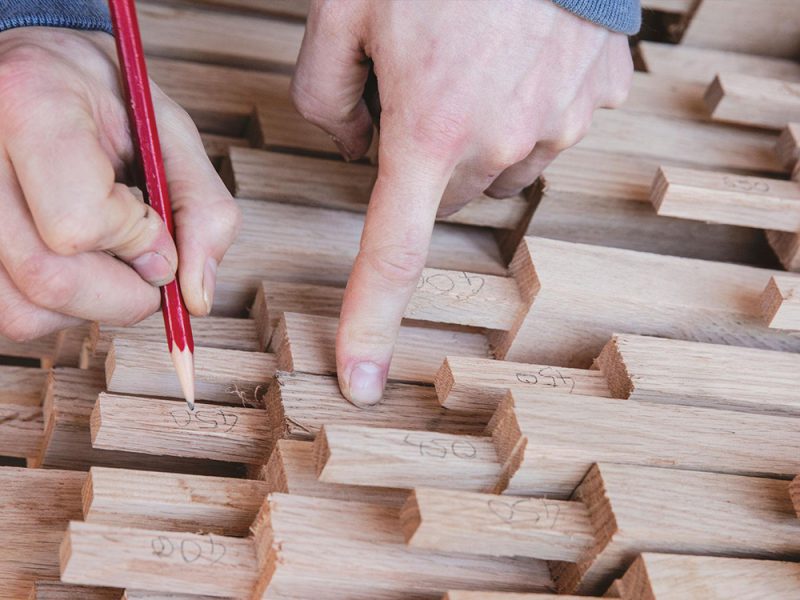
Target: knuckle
(70,234)
(501,156)
(44,281)
(441,131)
(314,108)
(572,132)
(398,266)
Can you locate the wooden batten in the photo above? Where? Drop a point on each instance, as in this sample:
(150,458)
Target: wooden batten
(401,458)
(474,523)
(291,469)
(143,595)
(296,9)
(690,63)
(194,34)
(573,293)
(299,404)
(21,422)
(168,427)
(787,248)
(224,376)
(788,145)
(54,590)
(548,441)
(753,101)
(171,502)
(305,343)
(68,346)
(794,492)
(485,595)
(159,561)
(652,369)
(480,384)
(217,145)
(675,577)
(40,349)
(727,198)
(22,386)
(780,302)
(329,549)
(642,509)
(277,126)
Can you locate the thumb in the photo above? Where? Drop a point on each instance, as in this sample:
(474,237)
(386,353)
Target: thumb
(328,83)
(207,218)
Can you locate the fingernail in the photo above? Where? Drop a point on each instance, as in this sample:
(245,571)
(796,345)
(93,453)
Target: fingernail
(366,384)
(209,282)
(342,149)
(154,268)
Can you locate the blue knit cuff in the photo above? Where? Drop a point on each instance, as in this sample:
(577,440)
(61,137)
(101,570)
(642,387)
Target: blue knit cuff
(74,14)
(624,16)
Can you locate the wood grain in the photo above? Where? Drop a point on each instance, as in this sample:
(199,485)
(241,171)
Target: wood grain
(753,101)
(780,302)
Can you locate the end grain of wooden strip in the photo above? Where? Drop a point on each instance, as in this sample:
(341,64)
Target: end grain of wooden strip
(224,376)
(753,101)
(780,302)
(788,145)
(172,502)
(155,560)
(485,595)
(787,248)
(399,458)
(479,384)
(151,426)
(794,492)
(54,590)
(488,524)
(727,198)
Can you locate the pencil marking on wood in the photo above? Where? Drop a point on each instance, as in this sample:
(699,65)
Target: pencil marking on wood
(204,419)
(461,285)
(547,376)
(189,550)
(523,512)
(442,448)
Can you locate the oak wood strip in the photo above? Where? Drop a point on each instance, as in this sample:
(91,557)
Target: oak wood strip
(401,458)
(306,343)
(753,101)
(480,384)
(780,302)
(21,430)
(22,386)
(548,441)
(697,513)
(41,348)
(573,291)
(297,9)
(787,248)
(486,595)
(225,376)
(54,590)
(794,492)
(172,502)
(167,427)
(650,369)
(727,198)
(487,524)
(165,561)
(295,537)
(788,145)
(672,576)
(143,595)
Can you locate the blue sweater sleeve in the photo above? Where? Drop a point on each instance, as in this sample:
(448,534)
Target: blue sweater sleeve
(75,14)
(624,16)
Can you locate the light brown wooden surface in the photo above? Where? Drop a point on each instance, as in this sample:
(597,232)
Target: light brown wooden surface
(54,590)
(651,369)
(276,125)
(142,595)
(297,9)
(787,248)
(299,404)
(788,145)
(487,524)
(171,502)
(727,198)
(22,386)
(642,509)
(305,343)
(167,427)
(753,101)
(780,302)
(767,28)
(35,507)
(402,458)
(326,549)
(479,384)
(41,348)
(161,561)
(547,441)
(484,595)
(674,577)
(794,492)
(574,291)
(224,376)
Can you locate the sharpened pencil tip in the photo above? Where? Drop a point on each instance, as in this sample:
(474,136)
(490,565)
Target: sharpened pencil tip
(184,367)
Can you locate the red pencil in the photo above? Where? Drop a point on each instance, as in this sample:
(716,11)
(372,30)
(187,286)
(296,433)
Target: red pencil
(150,171)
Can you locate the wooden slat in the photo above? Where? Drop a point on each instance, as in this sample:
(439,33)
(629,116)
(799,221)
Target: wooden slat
(41,348)
(574,295)
(326,549)
(171,502)
(794,492)
(473,523)
(297,9)
(224,376)
(276,125)
(21,430)
(780,302)
(727,198)
(167,427)
(401,458)
(767,28)
(787,248)
(299,404)
(22,386)
(753,101)
(674,577)
(548,441)
(54,590)
(479,384)
(306,343)
(641,509)
(650,369)
(165,561)
(788,145)
(486,595)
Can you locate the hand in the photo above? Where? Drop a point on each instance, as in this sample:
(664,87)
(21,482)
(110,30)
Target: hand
(74,243)
(475,96)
